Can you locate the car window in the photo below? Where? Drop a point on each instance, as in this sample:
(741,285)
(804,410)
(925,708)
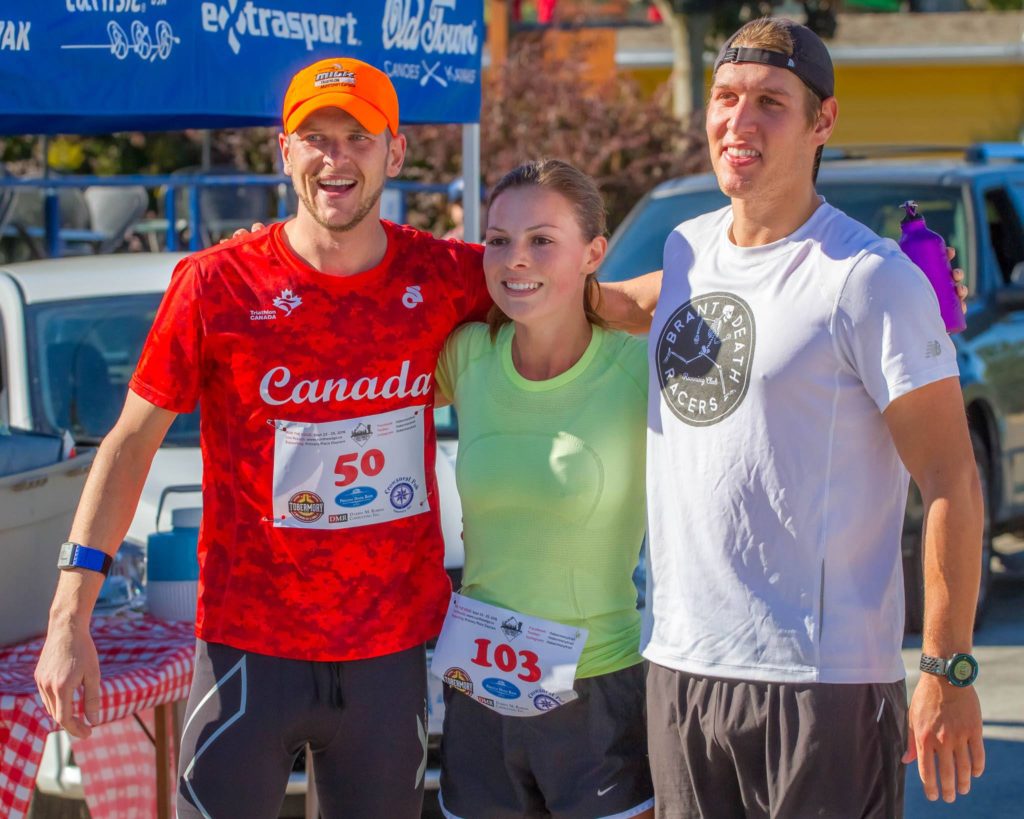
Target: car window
(445,422)
(877,205)
(639,242)
(82,354)
(1004,231)
(1017,193)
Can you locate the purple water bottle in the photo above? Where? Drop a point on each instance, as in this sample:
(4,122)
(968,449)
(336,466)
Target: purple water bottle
(927,250)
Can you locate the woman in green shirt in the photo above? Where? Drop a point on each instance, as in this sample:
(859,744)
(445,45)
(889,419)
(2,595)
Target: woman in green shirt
(552,425)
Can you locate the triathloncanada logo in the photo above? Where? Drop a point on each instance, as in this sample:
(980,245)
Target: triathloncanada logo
(703,358)
(287,301)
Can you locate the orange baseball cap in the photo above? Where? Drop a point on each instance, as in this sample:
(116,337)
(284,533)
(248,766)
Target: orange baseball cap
(353,86)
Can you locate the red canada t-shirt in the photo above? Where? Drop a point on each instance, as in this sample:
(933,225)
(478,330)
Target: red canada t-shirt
(268,344)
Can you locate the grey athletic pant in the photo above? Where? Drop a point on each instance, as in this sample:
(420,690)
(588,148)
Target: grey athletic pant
(726,749)
(249,716)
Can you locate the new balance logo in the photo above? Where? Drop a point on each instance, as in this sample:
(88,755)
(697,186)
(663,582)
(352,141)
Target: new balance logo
(933,349)
(412,296)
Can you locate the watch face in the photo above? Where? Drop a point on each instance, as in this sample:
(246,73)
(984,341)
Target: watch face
(64,558)
(963,670)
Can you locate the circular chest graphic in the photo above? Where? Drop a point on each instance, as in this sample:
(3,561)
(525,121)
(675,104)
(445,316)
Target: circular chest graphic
(459,680)
(306,506)
(544,702)
(401,495)
(703,358)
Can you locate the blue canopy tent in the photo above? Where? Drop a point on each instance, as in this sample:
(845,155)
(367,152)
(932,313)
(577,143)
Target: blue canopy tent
(99,66)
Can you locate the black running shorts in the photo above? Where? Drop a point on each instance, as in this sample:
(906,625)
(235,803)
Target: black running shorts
(249,716)
(583,760)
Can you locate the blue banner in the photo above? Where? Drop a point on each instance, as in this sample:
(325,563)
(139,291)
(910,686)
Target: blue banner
(95,66)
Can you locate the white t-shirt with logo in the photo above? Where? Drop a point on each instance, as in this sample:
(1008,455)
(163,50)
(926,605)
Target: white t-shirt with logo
(775,493)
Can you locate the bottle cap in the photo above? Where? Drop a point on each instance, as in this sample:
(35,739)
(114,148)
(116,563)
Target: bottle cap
(910,206)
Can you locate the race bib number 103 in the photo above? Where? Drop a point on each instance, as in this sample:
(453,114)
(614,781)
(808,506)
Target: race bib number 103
(350,473)
(512,663)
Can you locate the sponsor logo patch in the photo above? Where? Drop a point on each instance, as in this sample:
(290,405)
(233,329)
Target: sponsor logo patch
(287,301)
(362,433)
(242,20)
(512,628)
(337,518)
(401,493)
(338,76)
(356,496)
(306,506)
(501,688)
(543,701)
(459,680)
(423,27)
(703,358)
(412,297)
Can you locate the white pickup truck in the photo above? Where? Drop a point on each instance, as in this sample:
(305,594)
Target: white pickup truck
(39,489)
(71,331)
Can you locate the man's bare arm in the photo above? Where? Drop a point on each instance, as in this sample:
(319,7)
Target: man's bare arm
(105,511)
(629,305)
(929,428)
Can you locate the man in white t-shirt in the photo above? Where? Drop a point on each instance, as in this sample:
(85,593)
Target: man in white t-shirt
(799,369)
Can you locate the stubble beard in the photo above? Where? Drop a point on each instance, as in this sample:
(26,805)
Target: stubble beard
(365,206)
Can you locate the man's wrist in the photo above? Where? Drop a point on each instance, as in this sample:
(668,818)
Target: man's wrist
(959,669)
(72,618)
(75,598)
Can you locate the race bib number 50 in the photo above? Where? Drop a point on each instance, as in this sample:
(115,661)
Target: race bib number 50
(350,473)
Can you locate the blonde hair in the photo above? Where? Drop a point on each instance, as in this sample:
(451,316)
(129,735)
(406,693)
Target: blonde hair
(769,34)
(580,190)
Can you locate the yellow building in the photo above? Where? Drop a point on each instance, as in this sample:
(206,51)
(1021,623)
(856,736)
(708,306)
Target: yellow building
(901,79)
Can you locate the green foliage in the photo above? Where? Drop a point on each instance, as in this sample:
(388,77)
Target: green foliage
(536,107)
(250,149)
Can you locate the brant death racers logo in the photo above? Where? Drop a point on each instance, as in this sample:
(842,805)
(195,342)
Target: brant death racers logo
(703,358)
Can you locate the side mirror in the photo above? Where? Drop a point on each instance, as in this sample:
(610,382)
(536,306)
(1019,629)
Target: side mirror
(1011,297)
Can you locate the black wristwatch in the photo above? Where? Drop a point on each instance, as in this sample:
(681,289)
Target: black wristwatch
(76,556)
(961,669)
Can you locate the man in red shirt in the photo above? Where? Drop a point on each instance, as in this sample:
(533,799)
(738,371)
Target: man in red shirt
(312,346)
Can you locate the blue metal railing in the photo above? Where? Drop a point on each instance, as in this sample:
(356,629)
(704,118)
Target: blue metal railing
(192,183)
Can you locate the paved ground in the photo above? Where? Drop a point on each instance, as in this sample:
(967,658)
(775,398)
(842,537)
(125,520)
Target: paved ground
(999,647)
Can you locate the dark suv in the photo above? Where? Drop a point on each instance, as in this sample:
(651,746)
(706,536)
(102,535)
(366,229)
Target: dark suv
(977,204)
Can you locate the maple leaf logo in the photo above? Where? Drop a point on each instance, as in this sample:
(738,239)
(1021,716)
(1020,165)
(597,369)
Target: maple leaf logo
(287,302)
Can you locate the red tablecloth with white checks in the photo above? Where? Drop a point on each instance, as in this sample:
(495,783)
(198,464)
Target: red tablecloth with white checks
(143,662)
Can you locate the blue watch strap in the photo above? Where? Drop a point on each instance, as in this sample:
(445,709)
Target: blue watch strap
(76,556)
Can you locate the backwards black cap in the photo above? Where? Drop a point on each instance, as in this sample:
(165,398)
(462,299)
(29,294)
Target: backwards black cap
(810,60)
